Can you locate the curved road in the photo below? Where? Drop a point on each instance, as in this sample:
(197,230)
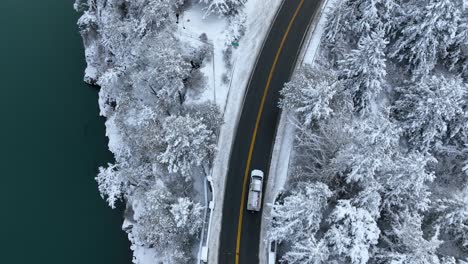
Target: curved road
(253,143)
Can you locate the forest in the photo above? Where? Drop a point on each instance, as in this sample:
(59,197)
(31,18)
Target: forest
(163,144)
(379,172)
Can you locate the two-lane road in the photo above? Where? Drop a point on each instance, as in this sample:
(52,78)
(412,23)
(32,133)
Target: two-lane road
(253,143)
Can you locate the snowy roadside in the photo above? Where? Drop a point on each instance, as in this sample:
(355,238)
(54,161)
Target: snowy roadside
(283,146)
(192,24)
(227,95)
(259,14)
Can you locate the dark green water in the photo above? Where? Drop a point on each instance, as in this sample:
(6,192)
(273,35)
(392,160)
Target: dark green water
(51,143)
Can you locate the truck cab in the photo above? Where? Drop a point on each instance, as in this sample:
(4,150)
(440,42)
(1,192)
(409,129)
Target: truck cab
(254,200)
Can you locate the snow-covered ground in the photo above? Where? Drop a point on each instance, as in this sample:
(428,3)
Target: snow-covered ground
(282,150)
(192,24)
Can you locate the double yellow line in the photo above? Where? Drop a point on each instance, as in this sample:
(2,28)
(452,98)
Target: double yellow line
(254,136)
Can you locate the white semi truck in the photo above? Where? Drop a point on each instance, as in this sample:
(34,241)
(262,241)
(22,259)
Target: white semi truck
(254,201)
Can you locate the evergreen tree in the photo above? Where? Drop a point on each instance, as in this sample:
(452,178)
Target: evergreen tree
(432,110)
(429,29)
(453,216)
(364,69)
(405,182)
(298,216)
(310,94)
(352,233)
(407,242)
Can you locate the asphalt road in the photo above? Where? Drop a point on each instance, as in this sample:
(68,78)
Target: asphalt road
(253,143)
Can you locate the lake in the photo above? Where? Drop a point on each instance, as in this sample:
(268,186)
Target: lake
(52,142)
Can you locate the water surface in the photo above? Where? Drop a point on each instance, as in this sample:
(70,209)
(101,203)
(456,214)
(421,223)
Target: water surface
(51,143)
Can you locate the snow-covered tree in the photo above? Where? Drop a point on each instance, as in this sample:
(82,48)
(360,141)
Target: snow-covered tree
(130,125)
(156,226)
(208,112)
(153,14)
(310,93)
(351,20)
(453,217)
(112,83)
(369,199)
(407,242)
(364,69)
(432,110)
(307,251)
(160,81)
(456,56)
(429,29)
(236,29)
(352,233)
(405,183)
(165,222)
(298,215)
(370,151)
(315,149)
(189,142)
(115,180)
(110,184)
(222,7)
(187,215)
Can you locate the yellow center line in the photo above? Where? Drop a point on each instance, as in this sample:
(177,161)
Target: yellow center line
(254,136)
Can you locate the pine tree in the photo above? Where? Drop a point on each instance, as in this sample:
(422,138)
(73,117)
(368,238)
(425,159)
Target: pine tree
(405,182)
(453,216)
(431,110)
(428,32)
(298,216)
(352,233)
(310,93)
(350,20)
(307,251)
(364,69)
(407,242)
(370,150)
(456,56)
